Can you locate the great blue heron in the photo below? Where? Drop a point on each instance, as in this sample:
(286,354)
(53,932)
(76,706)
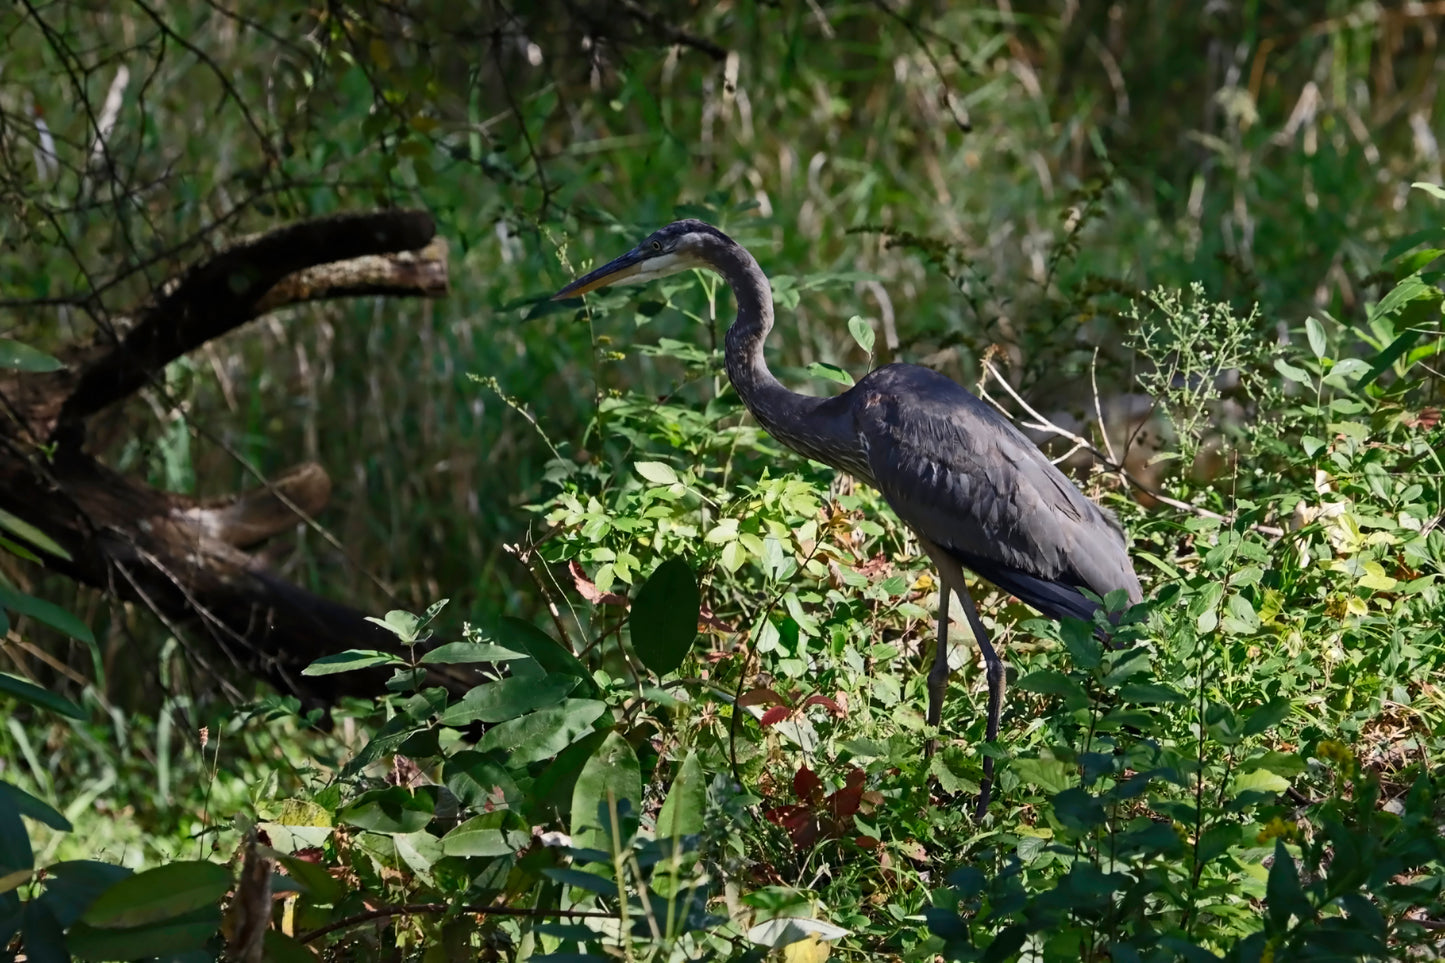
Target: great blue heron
(973,489)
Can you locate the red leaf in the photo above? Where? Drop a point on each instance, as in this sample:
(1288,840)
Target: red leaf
(588,589)
(760,696)
(775,715)
(707,620)
(825,702)
(806,785)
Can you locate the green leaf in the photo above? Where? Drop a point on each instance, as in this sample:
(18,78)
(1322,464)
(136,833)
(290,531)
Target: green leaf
(543,733)
(545,650)
(36,809)
(71,886)
(20,528)
(664,616)
(1283,895)
(609,777)
(831,372)
(402,624)
(394,809)
(862,333)
(1297,375)
(350,661)
(1149,693)
(44,936)
(1315,332)
(485,835)
(1434,190)
(171,937)
(1051,775)
(48,613)
(34,695)
(1391,353)
(602,885)
(1053,682)
(15,852)
(469,653)
(1259,780)
(507,699)
(1265,717)
(163,893)
(685,807)
(659,473)
(22,357)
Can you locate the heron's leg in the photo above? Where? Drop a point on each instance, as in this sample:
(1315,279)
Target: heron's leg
(938,675)
(994,669)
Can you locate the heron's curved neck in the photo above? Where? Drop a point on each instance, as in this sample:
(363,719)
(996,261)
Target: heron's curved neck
(772,404)
(794,419)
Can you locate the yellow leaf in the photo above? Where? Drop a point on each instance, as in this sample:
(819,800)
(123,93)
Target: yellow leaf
(1357,606)
(810,949)
(924,583)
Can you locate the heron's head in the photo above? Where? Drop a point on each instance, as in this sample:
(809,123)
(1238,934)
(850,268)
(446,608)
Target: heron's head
(680,246)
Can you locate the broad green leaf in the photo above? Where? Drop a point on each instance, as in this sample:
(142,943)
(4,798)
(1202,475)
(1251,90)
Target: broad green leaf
(22,357)
(1315,332)
(1259,780)
(350,661)
(47,612)
(831,372)
(402,624)
(419,850)
(34,695)
(43,934)
(548,653)
(1283,895)
(862,333)
(544,733)
(507,699)
(1149,693)
(685,807)
(1266,717)
(168,938)
(1297,375)
(36,809)
(1050,775)
(23,529)
(664,616)
(611,775)
(659,473)
(1409,288)
(602,885)
(478,780)
(1391,353)
(486,835)
(394,809)
(469,653)
(163,893)
(15,852)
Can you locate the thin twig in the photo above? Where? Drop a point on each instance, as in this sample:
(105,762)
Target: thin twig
(417,909)
(1041,423)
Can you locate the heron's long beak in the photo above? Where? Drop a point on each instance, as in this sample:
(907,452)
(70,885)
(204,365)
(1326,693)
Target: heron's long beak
(634,267)
(621,269)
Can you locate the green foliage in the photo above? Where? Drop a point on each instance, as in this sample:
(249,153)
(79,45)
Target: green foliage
(713,749)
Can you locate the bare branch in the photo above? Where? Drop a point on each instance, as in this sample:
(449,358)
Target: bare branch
(227,290)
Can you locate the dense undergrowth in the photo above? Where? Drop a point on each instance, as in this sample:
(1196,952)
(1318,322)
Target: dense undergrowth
(703,739)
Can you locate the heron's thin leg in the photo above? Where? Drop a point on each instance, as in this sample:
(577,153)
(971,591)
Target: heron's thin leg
(938,675)
(994,669)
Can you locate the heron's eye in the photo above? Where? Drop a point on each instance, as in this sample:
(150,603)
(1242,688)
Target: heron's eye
(657,245)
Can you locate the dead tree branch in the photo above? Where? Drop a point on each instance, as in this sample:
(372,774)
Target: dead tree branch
(188,559)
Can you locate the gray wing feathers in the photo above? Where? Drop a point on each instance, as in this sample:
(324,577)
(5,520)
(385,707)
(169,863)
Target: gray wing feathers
(964,477)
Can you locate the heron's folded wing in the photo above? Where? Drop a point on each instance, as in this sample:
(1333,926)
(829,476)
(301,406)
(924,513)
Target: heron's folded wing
(963,476)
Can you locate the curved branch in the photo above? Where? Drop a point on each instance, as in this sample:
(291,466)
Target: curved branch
(228,290)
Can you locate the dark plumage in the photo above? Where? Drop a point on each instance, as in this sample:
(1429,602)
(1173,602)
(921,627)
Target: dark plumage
(976,492)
